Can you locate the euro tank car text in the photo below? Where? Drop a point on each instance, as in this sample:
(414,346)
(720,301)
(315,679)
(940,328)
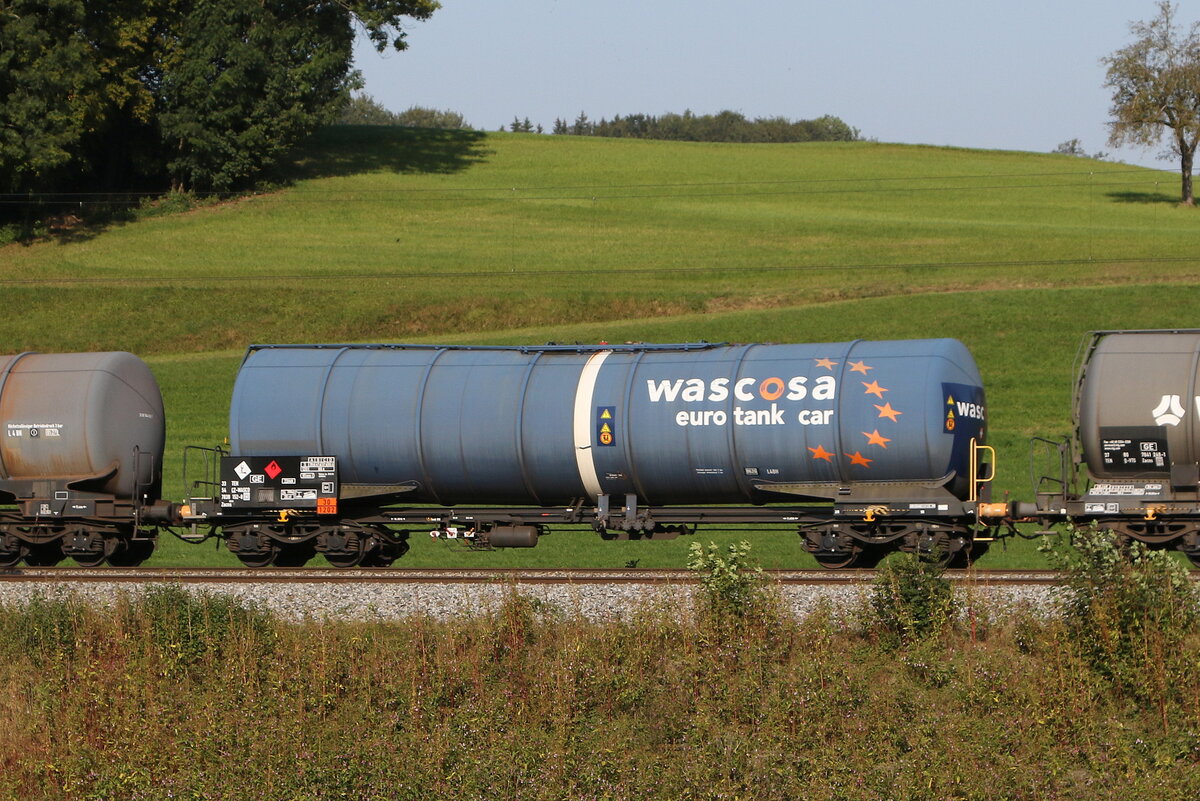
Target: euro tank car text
(718,390)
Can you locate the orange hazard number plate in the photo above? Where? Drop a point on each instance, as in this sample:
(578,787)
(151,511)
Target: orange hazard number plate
(327,506)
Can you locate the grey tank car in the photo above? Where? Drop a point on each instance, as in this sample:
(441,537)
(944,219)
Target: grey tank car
(81,447)
(1133,466)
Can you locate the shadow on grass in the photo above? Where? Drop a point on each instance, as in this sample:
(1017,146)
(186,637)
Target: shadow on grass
(1143,197)
(336,151)
(344,150)
(48,222)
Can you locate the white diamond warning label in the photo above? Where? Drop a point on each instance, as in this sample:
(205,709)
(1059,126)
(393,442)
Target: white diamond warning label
(242,471)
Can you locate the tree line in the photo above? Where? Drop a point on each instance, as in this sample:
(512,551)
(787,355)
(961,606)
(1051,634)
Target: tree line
(724,126)
(362,109)
(154,94)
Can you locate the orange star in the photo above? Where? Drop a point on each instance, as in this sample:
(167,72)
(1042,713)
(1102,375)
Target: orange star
(875,438)
(819,452)
(826,363)
(874,389)
(858,459)
(859,367)
(887,411)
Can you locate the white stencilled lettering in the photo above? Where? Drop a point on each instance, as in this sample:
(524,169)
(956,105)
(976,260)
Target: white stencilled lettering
(663,390)
(814,417)
(826,388)
(695,390)
(972,411)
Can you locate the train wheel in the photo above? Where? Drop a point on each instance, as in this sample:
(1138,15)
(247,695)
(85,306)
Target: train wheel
(378,559)
(252,547)
(131,553)
(939,548)
(350,554)
(389,546)
(89,547)
(294,555)
(871,556)
(259,558)
(837,560)
(12,551)
(45,554)
(91,559)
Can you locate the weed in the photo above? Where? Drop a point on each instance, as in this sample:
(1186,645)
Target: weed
(912,601)
(186,629)
(1129,611)
(532,704)
(174,202)
(44,629)
(732,582)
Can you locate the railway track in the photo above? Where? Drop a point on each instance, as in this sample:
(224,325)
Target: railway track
(221,575)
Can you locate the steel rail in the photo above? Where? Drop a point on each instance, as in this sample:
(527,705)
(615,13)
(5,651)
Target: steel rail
(517,576)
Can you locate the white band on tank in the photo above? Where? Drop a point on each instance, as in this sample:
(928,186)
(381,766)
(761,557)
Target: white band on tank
(584,453)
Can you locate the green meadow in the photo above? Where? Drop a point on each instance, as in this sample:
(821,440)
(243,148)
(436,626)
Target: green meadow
(390,235)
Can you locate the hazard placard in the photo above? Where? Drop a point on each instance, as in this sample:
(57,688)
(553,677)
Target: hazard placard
(606,426)
(289,482)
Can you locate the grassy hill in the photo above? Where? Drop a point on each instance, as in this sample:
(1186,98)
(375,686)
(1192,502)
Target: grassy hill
(401,235)
(396,234)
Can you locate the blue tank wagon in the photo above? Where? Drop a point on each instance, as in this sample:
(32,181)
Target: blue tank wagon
(865,446)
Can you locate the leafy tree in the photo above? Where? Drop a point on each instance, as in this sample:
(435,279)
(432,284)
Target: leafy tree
(832,129)
(1156,90)
(362,109)
(420,117)
(1071,147)
(248,79)
(114,94)
(48,82)
(1074,147)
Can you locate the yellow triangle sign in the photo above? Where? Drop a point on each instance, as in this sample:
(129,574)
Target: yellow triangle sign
(606,415)
(604,429)
(949,400)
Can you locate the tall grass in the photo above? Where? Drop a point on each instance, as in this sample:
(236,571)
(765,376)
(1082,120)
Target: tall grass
(1130,612)
(170,696)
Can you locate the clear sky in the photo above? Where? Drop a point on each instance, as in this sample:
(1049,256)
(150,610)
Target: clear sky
(1015,75)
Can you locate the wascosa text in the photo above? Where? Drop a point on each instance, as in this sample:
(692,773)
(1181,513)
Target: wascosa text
(695,390)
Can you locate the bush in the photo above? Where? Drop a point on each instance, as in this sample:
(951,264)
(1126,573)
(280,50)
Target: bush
(1129,611)
(421,117)
(732,583)
(912,601)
